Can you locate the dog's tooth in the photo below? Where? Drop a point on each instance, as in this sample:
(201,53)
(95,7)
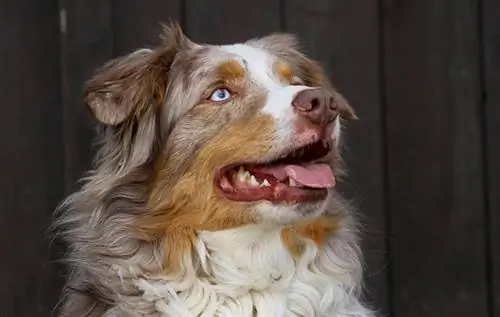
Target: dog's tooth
(240,175)
(292,182)
(253,181)
(265,183)
(246,175)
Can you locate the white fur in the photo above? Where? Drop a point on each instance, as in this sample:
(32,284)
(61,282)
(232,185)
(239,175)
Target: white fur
(247,272)
(284,214)
(279,106)
(258,62)
(279,102)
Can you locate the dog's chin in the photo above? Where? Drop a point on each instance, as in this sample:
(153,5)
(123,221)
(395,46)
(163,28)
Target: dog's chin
(290,213)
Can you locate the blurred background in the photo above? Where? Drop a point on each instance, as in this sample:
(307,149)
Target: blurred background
(423,75)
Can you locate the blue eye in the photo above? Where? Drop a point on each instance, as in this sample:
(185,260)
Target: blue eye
(220,94)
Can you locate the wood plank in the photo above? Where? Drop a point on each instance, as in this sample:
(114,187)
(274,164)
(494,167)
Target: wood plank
(434,155)
(86,44)
(491,71)
(137,24)
(343,35)
(229,21)
(31,155)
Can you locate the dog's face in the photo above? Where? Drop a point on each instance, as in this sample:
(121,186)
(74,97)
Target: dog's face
(234,134)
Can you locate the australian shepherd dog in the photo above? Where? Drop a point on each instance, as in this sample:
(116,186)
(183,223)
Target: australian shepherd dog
(213,191)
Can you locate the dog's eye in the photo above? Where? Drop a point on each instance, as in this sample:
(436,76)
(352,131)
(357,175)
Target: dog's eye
(221,94)
(296,81)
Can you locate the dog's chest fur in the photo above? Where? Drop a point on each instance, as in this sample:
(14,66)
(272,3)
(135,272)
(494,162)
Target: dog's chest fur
(248,272)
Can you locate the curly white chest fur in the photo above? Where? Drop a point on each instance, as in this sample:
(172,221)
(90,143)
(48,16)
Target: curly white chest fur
(248,273)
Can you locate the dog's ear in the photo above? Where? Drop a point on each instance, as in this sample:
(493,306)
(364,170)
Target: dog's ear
(287,47)
(129,85)
(127,94)
(125,86)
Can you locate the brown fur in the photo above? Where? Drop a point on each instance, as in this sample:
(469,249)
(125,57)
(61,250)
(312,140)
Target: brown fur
(231,70)
(213,213)
(285,72)
(318,230)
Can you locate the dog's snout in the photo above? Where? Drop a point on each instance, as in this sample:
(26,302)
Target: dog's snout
(317,105)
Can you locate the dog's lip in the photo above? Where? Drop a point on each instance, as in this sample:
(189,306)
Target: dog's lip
(277,156)
(284,152)
(279,193)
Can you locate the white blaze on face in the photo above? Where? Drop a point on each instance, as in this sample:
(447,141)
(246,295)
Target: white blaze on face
(279,106)
(259,65)
(257,62)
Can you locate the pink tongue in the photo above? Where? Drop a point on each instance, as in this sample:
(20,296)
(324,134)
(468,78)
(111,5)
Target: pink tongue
(314,175)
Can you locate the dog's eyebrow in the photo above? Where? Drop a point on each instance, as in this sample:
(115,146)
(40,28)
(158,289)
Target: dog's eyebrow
(230,69)
(284,71)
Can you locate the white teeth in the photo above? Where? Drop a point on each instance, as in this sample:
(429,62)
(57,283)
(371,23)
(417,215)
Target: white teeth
(292,182)
(253,181)
(265,183)
(244,176)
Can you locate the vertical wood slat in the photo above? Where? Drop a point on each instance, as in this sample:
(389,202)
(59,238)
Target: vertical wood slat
(86,45)
(434,150)
(343,36)
(491,71)
(137,24)
(31,155)
(228,21)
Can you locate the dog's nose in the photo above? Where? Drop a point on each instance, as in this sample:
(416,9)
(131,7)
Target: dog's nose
(317,105)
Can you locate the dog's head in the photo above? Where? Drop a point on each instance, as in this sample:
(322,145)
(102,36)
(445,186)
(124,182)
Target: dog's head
(232,134)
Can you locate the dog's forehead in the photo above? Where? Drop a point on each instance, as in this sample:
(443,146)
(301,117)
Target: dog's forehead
(257,62)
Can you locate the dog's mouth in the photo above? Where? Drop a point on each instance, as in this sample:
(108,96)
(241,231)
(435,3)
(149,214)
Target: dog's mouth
(295,177)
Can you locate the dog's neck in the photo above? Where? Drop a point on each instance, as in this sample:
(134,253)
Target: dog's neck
(250,271)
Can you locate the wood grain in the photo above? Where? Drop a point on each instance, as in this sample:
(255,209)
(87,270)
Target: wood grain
(435,164)
(31,155)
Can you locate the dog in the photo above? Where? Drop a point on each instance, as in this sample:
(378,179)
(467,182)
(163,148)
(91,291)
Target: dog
(213,190)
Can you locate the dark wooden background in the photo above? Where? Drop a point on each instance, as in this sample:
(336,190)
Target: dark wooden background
(423,75)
